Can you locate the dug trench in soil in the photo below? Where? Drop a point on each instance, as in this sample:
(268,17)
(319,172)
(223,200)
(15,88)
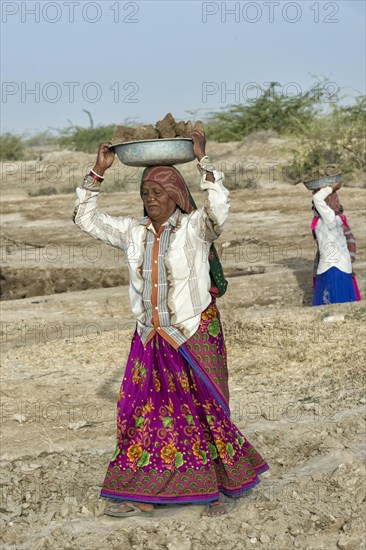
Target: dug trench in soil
(28,282)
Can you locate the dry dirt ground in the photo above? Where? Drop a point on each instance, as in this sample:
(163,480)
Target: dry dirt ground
(296,375)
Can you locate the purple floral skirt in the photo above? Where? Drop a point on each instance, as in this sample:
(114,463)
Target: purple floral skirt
(175,440)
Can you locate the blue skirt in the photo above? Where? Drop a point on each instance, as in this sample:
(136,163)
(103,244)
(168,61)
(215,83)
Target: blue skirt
(334,287)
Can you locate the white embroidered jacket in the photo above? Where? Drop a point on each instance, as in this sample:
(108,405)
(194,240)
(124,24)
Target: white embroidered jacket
(169,273)
(330,236)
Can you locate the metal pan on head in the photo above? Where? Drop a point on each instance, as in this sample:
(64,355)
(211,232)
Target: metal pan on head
(155,152)
(314,185)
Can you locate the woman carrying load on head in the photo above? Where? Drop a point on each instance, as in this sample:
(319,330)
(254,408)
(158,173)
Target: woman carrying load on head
(334,280)
(175,440)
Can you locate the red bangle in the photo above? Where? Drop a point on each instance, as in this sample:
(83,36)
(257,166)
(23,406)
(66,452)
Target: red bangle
(95,176)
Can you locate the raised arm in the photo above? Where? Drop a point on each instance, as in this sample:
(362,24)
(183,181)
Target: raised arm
(325,212)
(109,229)
(216,208)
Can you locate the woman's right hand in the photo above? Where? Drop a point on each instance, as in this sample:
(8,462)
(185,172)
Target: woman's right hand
(105,158)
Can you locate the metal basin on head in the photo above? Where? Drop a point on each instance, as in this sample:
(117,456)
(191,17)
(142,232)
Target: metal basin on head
(155,152)
(313,185)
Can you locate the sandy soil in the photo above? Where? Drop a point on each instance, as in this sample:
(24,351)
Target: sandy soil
(296,380)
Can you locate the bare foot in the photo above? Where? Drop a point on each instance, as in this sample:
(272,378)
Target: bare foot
(217,508)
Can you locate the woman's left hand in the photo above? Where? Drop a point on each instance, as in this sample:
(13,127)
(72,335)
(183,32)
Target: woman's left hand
(336,186)
(199,143)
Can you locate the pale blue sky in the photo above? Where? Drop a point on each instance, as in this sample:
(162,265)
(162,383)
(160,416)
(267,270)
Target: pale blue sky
(140,60)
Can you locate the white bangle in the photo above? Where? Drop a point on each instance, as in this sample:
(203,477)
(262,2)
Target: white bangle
(205,165)
(101,177)
(91,184)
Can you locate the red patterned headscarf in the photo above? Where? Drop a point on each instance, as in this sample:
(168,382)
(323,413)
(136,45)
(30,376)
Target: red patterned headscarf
(332,201)
(173,183)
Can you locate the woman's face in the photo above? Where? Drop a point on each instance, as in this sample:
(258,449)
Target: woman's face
(157,202)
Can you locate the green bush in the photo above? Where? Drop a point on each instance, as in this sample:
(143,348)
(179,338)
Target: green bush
(337,137)
(271,111)
(333,136)
(87,140)
(79,138)
(11,147)
(41,139)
